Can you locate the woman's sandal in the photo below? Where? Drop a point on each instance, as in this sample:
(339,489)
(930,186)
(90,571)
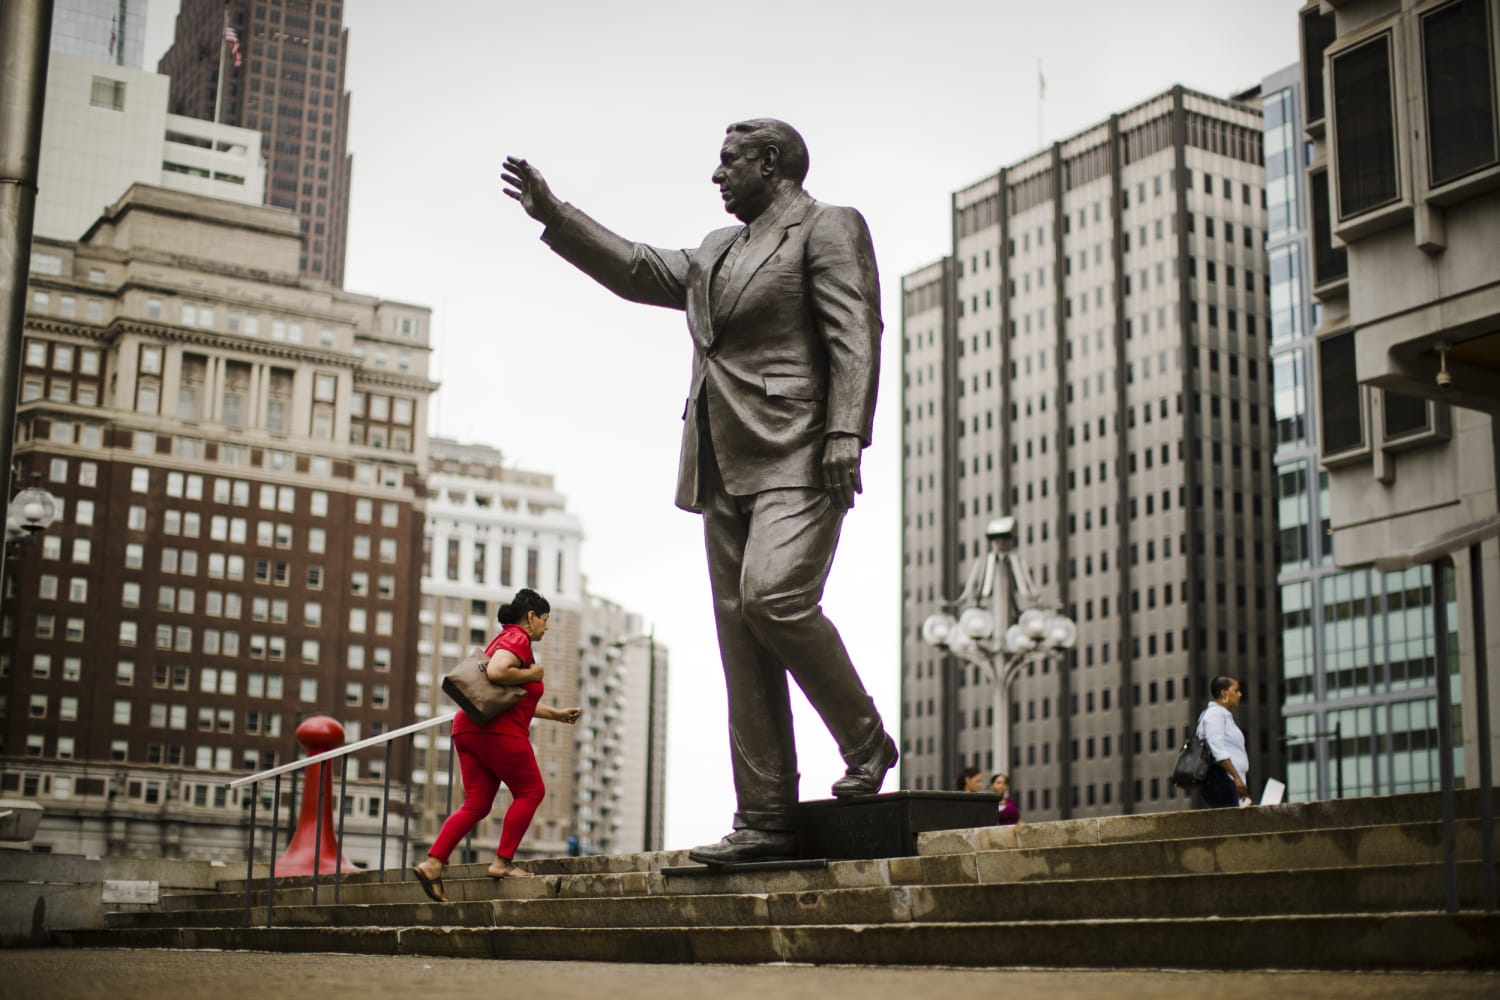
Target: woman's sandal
(510,871)
(432,886)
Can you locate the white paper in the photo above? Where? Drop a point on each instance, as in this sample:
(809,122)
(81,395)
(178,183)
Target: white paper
(1273,792)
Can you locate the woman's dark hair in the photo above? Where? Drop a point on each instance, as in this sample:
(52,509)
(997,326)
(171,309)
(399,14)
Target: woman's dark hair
(526,600)
(964,776)
(1219,686)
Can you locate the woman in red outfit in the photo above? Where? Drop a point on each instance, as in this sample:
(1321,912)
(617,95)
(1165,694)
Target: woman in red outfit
(500,751)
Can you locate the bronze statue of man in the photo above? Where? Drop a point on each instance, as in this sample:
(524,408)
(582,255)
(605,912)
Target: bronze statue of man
(784,313)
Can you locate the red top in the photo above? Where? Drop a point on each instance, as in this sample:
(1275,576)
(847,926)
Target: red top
(515,721)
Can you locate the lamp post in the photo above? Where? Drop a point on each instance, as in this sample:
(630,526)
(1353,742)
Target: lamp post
(983,634)
(649,840)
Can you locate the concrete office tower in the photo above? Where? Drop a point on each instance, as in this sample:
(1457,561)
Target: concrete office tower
(290,86)
(620,787)
(239,455)
(1091,359)
(491,530)
(1401,113)
(106,127)
(112,31)
(1360,705)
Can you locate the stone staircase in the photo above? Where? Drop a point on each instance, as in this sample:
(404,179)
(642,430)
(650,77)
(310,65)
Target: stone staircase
(1353,884)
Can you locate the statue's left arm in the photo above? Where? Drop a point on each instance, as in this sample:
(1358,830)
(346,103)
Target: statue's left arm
(845,289)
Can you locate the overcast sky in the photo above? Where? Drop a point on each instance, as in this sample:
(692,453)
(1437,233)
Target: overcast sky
(622,106)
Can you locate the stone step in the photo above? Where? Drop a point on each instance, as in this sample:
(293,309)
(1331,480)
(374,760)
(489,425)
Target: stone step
(1382,810)
(1369,890)
(1390,844)
(1191,823)
(1415,940)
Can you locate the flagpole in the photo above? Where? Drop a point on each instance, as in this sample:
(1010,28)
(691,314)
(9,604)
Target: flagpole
(1041,93)
(219,91)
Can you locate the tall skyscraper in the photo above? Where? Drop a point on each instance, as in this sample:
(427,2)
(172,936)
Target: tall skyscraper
(1091,359)
(112,31)
(1401,116)
(283,76)
(1360,708)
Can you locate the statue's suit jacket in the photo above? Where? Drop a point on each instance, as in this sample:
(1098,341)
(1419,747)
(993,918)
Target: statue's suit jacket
(792,353)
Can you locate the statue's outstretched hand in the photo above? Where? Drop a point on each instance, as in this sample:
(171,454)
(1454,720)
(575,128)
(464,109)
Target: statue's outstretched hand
(524,183)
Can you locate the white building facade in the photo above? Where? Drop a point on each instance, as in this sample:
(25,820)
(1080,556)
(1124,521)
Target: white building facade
(106,127)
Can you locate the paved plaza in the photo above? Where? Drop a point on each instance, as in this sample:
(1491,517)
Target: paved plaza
(67,974)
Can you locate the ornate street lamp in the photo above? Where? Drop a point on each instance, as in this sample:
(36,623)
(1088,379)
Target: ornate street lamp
(980,634)
(31,512)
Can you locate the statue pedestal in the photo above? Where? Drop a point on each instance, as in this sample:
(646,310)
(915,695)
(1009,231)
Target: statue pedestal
(868,828)
(886,826)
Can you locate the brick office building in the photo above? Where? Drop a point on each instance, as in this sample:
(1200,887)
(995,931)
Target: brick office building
(238,454)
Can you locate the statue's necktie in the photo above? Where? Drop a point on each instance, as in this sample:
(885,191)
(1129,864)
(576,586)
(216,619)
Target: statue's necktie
(726,267)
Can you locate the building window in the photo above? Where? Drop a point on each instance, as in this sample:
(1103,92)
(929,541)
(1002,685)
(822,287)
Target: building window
(1364,120)
(1339,395)
(1330,263)
(1460,78)
(108,94)
(1404,415)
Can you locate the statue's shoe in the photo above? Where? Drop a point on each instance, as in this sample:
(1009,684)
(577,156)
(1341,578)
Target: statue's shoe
(865,777)
(747,845)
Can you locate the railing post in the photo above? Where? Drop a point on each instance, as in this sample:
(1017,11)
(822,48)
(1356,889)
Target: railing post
(1445,733)
(250,861)
(411,746)
(338,859)
(385,807)
(1482,712)
(448,803)
(271,878)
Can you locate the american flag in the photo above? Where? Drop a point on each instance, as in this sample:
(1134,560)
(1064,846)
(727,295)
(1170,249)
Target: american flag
(233,38)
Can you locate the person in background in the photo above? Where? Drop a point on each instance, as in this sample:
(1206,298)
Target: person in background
(1010,809)
(969,779)
(1228,782)
(500,750)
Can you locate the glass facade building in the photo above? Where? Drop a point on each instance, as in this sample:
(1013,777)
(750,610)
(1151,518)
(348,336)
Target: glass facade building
(1358,646)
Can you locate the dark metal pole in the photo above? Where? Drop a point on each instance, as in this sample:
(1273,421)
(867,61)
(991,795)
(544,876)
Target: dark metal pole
(338,857)
(271,878)
(250,854)
(1445,733)
(1338,749)
(318,771)
(411,756)
(385,806)
(25,34)
(650,843)
(1482,713)
(448,804)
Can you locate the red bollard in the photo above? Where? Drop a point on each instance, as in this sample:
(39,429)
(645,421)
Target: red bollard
(317,735)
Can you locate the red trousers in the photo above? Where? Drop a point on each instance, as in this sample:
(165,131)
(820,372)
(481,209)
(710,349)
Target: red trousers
(486,760)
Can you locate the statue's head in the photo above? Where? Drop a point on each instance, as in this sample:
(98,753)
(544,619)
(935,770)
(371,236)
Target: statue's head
(759,158)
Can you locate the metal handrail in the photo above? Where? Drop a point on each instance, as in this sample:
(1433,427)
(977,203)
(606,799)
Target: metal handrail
(341,754)
(373,741)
